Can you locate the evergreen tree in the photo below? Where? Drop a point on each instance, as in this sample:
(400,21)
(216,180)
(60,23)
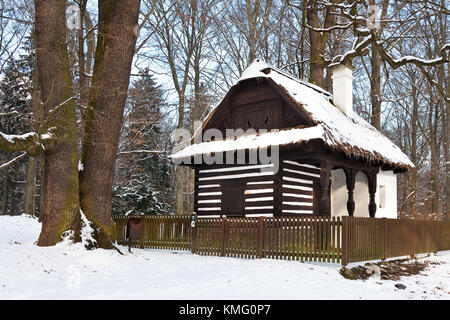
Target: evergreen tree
(15,109)
(143,178)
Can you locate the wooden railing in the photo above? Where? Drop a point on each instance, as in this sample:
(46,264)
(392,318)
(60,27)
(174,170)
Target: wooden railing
(320,239)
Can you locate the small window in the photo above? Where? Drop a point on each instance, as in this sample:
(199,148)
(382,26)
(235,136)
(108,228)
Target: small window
(382,196)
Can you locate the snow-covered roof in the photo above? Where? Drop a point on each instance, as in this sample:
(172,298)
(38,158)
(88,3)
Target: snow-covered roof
(354,136)
(253,141)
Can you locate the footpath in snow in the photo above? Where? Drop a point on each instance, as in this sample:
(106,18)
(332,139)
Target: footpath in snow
(68,271)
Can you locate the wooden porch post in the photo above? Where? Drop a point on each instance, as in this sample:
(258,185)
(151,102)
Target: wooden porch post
(325,173)
(350,175)
(372,190)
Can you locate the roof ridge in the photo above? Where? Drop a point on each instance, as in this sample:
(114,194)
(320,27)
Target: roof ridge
(286,74)
(306,83)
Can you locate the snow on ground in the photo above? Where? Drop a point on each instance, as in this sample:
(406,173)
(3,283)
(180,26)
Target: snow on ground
(70,272)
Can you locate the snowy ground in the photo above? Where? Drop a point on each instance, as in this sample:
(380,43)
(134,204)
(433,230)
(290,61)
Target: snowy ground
(70,272)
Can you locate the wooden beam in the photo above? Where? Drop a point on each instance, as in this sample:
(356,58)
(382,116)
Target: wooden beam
(314,151)
(372,191)
(350,175)
(325,173)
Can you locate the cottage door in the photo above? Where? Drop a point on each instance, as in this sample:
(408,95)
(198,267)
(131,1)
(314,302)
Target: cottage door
(233,198)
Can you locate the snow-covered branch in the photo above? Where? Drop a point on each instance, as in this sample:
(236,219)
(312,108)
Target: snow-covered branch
(9,114)
(30,142)
(396,63)
(10,162)
(60,105)
(373,37)
(359,49)
(336,27)
(143,151)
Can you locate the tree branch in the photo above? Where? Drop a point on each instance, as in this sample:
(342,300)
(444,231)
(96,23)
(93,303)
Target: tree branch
(10,162)
(142,151)
(30,142)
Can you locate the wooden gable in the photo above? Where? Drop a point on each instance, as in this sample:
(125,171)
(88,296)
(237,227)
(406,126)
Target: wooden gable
(256,104)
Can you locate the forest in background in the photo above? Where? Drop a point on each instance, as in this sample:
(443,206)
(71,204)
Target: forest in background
(188,53)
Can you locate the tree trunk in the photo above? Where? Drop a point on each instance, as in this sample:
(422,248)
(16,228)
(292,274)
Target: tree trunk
(5,192)
(82,82)
(317,42)
(30,187)
(317,62)
(434,146)
(180,190)
(113,57)
(446,125)
(375,77)
(375,88)
(13,206)
(413,154)
(60,204)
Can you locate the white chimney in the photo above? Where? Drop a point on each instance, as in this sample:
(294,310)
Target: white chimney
(342,89)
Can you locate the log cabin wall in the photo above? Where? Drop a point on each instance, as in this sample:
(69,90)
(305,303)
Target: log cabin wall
(246,191)
(300,189)
(234,190)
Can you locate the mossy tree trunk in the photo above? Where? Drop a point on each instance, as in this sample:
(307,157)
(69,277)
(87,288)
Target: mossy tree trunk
(117,34)
(60,193)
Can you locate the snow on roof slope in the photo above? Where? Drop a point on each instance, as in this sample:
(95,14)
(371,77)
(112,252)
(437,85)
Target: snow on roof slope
(354,136)
(252,141)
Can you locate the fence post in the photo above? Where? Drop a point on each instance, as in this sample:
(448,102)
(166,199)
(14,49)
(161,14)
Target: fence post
(414,238)
(260,244)
(436,236)
(385,236)
(224,236)
(193,226)
(141,233)
(345,238)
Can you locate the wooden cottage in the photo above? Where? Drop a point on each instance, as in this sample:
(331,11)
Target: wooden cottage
(277,145)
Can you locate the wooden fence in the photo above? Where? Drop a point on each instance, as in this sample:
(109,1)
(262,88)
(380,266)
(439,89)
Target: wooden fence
(373,239)
(288,238)
(320,239)
(171,232)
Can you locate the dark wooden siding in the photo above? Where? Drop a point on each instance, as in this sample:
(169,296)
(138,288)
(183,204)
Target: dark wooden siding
(258,106)
(234,190)
(298,188)
(245,190)
(261,115)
